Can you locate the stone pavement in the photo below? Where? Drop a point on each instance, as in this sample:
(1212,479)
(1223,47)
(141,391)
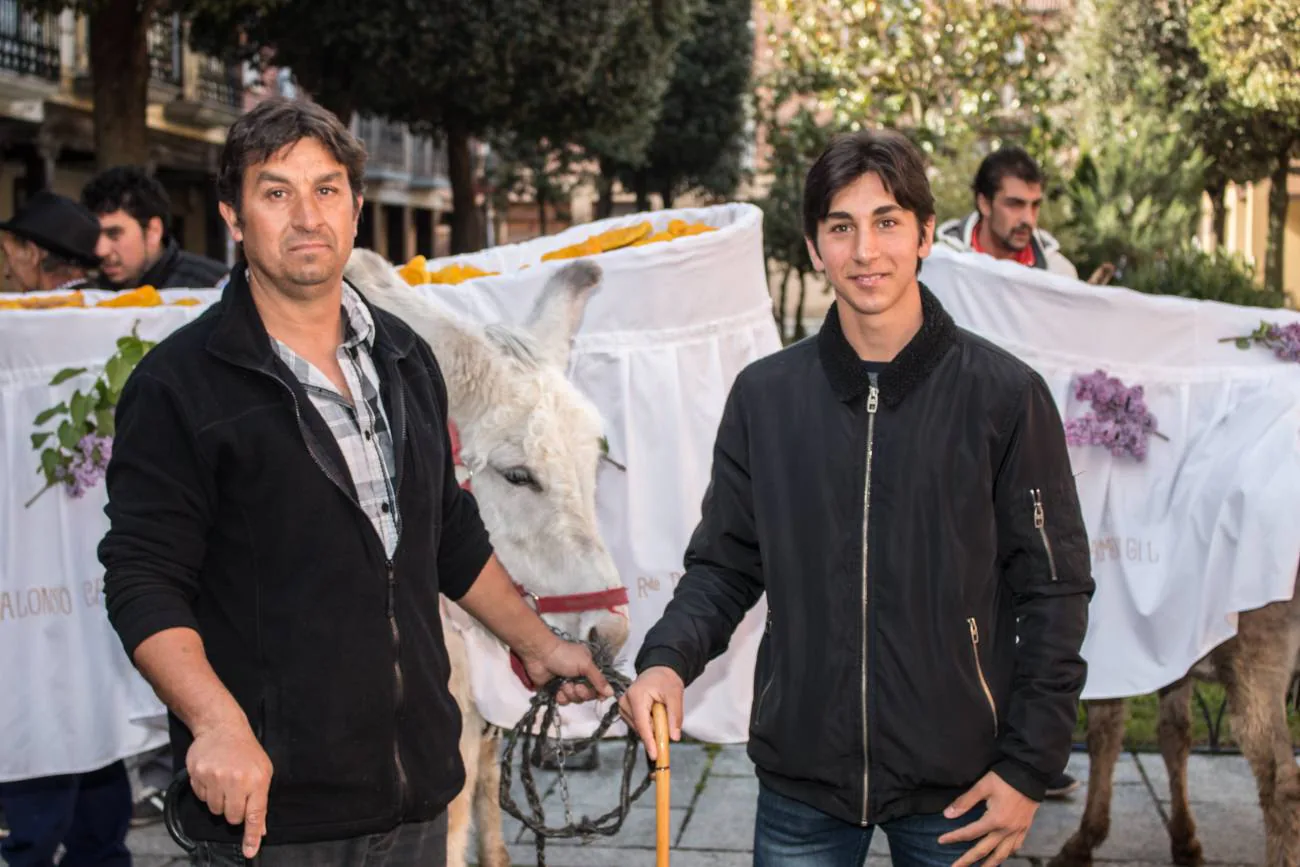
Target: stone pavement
(714,789)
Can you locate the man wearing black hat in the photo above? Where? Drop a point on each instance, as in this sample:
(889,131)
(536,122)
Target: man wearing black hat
(49,245)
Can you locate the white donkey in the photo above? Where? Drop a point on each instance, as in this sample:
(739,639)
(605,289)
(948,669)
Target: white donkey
(531,443)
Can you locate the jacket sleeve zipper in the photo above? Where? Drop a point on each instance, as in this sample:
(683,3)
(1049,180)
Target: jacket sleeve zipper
(1040,526)
(979,669)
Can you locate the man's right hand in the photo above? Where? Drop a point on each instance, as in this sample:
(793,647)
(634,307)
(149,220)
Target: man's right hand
(231,773)
(656,684)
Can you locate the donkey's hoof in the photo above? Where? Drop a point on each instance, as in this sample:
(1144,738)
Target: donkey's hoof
(1075,853)
(1187,853)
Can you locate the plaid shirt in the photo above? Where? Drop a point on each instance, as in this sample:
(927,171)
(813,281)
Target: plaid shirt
(360,428)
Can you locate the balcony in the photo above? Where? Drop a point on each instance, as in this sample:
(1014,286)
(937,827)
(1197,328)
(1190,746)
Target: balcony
(29,52)
(193,89)
(394,154)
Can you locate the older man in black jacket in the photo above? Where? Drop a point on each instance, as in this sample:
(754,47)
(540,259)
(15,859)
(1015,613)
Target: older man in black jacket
(285,514)
(901,491)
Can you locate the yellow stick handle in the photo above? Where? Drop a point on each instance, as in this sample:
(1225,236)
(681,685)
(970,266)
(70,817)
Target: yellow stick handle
(663,781)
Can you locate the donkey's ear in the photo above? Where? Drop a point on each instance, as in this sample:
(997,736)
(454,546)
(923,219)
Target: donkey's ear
(558,312)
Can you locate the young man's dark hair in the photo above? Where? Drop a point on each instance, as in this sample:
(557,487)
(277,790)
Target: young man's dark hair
(900,491)
(888,154)
(136,246)
(130,189)
(1009,161)
(275,124)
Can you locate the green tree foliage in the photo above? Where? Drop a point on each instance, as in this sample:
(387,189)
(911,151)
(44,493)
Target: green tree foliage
(952,74)
(699,141)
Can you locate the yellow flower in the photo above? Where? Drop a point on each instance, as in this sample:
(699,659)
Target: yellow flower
(145,296)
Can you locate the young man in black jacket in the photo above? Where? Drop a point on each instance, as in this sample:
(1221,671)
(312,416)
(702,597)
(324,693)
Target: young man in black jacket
(136,245)
(902,492)
(284,515)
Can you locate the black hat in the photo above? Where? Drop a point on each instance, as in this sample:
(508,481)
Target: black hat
(58,224)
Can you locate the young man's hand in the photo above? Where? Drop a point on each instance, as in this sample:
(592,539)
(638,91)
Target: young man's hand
(1002,828)
(561,658)
(656,684)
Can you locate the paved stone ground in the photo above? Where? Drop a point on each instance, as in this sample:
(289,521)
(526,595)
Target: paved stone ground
(713,816)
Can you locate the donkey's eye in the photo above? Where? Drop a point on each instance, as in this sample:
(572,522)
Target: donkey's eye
(520,477)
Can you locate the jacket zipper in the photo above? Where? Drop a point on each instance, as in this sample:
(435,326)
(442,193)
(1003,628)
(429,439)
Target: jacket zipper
(399,686)
(758,708)
(873,402)
(979,669)
(1039,522)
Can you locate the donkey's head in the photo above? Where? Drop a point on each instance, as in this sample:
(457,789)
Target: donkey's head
(530,440)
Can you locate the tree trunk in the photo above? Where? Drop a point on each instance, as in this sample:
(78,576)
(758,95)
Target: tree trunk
(779,311)
(1277,205)
(799,331)
(605,204)
(642,190)
(466,233)
(119,71)
(1216,192)
(666,193)
(341,104)
(541,213)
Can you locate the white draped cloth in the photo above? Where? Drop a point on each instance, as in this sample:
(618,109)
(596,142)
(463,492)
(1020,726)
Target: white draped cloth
(70,700)
(661,341)
(1205,527)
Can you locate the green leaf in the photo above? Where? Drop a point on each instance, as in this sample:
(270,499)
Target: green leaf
(39,438)
(49,463)
(51,413)
(69,436)
(1243,343)
(79,408)
(117,370)
(132,353)
(105,423)
(67,373)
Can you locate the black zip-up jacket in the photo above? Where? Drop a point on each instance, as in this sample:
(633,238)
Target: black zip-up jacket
(181,269)
(233,513)
(906,533)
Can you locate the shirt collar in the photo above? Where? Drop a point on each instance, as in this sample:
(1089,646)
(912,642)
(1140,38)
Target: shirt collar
(360,325)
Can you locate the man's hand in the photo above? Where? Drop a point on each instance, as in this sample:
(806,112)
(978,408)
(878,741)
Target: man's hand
(1003,826)
(656,684)
(560,658)
(231,773)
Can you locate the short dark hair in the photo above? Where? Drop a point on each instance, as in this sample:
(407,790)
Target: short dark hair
(849,156)
(275,124)
(130,189)
(1006,161)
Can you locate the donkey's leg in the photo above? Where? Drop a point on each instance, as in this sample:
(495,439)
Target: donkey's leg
(1175,736)
(1256,669)
(487,802)
(471,734)
(1105,739)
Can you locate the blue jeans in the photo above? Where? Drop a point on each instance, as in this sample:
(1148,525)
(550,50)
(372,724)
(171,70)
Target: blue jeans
(88,813)
(789,833)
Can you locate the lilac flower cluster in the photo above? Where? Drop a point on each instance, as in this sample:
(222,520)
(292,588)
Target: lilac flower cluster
(1284,340)
(87,465)
(1119,421)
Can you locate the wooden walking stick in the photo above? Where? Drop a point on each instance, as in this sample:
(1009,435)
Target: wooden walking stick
(663,780)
